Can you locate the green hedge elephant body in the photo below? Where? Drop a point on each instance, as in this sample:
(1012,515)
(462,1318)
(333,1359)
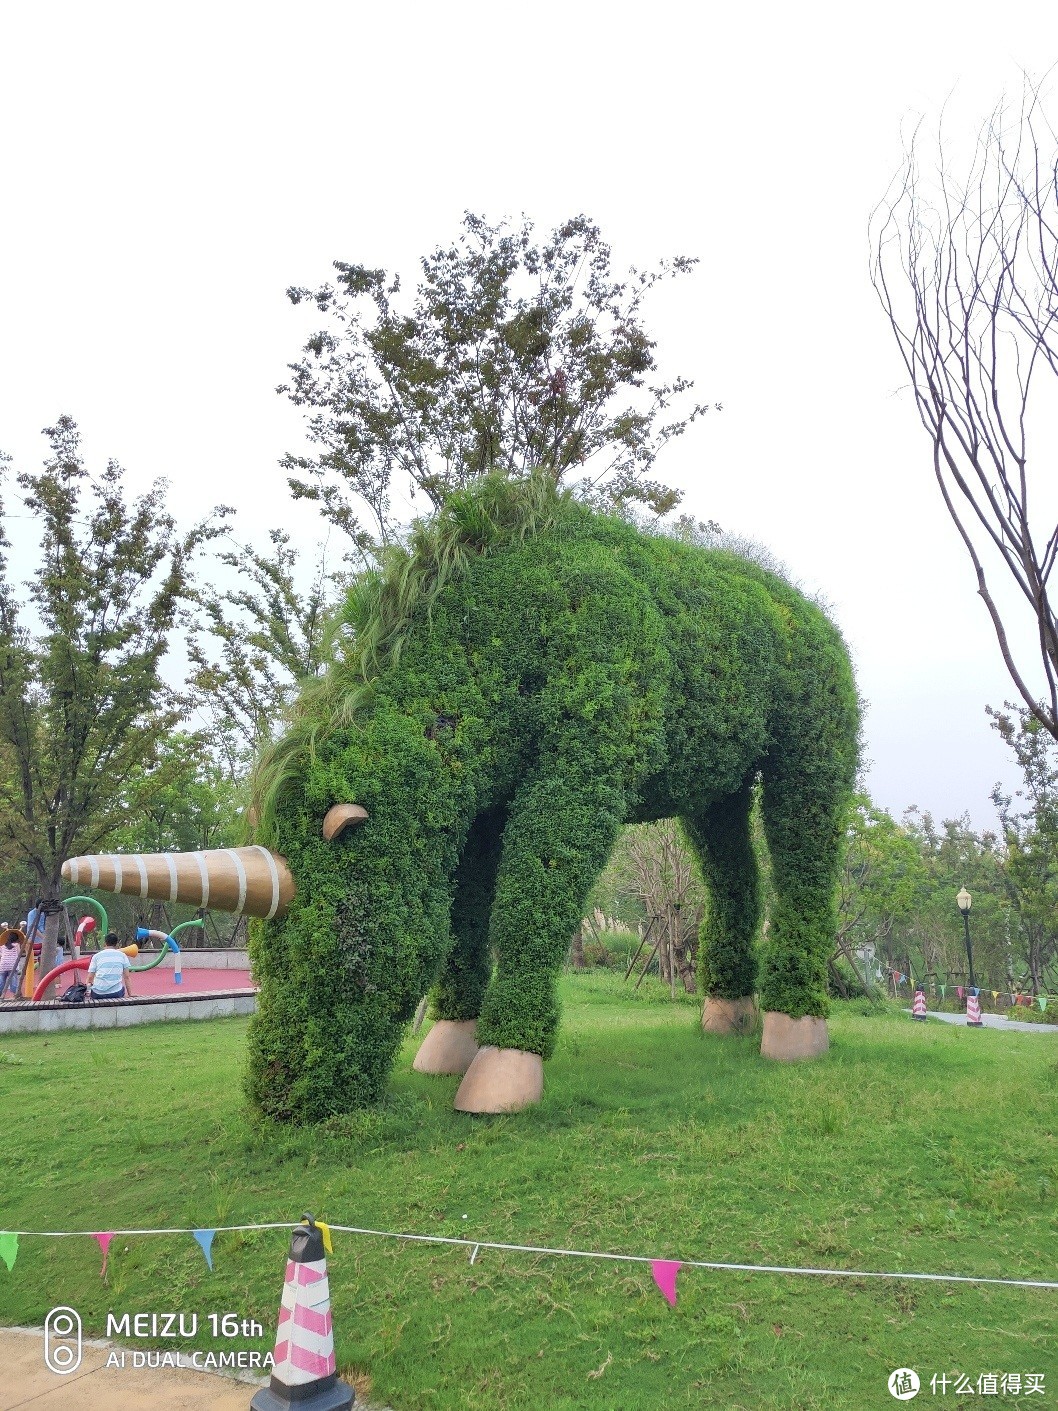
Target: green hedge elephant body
(548,675)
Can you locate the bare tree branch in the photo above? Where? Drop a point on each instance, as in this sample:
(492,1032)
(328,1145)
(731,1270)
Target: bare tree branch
(969,284)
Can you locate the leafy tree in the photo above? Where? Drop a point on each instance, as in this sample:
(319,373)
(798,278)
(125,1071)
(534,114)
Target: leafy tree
(83,706)
(653,865)
(955,856)
(184,801)
(514,353)
(1030,833)
(882,881)
(256,644)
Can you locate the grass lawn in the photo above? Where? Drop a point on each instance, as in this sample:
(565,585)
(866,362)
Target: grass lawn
(926,1147)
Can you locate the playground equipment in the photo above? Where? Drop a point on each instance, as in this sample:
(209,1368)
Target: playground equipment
(82,963)
(168,945)
(85,927)
(76,937)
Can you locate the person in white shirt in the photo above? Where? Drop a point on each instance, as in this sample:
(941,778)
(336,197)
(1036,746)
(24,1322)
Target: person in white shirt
(10,958)
(108,974)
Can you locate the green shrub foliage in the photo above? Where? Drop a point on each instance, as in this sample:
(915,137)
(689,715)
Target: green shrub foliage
(509,690)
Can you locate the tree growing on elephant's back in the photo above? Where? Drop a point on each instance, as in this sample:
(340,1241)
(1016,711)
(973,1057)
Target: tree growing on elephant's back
(514,353)
(520,682)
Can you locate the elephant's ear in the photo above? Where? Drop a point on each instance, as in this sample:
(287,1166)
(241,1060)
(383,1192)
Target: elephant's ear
(341,817)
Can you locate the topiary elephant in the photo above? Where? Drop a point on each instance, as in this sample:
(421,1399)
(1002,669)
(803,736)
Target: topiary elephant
(520,681)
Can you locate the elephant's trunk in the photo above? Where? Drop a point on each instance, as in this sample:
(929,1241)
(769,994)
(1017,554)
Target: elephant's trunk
(251,880)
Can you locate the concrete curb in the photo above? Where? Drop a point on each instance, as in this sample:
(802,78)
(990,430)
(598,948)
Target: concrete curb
(50,1016)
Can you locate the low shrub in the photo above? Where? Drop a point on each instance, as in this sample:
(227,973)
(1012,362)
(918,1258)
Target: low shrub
(1025,1015)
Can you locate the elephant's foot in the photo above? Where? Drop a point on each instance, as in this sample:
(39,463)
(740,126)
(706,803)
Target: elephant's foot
(791,1039)
(729,1016)
(449,1047)
(501,1080)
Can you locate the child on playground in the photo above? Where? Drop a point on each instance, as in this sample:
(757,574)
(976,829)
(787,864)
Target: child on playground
(10,955)
(109,971)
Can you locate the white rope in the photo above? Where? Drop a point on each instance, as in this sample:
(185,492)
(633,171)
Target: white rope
(697,1263)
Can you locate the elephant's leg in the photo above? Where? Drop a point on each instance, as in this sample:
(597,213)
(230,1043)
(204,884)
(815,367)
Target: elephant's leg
(721,840)
(806,787)
(451,1044)
(559,834)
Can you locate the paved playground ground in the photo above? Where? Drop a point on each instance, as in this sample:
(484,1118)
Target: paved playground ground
(160,981)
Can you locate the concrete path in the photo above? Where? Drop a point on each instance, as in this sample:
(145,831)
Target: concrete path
(26,1380)
(996,1021)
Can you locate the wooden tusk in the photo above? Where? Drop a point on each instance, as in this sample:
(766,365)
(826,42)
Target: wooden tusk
(341,817)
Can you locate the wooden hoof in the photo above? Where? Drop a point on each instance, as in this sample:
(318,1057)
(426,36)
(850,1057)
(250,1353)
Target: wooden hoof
(789,1040)
(449,1047)
(501,1080)
(729,1016)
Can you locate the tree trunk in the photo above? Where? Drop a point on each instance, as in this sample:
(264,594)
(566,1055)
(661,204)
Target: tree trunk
(837,979)
(52,917)
(576,952)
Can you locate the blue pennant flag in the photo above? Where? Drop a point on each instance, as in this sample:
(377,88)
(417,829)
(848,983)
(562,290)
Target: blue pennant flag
(205,1239)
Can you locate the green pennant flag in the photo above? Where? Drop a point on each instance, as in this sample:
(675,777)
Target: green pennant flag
(8,1249)
(1043,1003)
(943,991)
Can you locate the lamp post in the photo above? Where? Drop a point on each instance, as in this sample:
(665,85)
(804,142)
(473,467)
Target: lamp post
(963,902)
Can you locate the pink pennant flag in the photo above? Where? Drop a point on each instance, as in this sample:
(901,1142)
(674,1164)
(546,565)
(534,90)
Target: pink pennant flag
(959,991)
(104,1238)
(665,1271)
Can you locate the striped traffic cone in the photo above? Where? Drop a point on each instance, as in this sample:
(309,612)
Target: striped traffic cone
(305,1374)
(973,1011)
(919,1011)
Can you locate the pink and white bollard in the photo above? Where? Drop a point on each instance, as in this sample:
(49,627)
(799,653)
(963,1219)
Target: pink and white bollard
(305,1374)
(973,1011)
(919,1011)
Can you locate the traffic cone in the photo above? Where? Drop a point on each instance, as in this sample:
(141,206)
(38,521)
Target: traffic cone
(973,1011)
(304,1375)
(920,1005)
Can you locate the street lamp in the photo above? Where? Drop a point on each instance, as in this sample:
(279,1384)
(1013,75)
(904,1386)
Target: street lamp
(963,902)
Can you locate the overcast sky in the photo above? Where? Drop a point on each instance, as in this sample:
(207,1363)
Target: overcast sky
(168,171)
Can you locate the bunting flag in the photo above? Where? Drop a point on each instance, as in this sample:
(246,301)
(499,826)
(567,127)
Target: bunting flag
(1006,999)
(8,1249)
(325,1230)
(665,1271)
(205,1239)
(104,1237)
